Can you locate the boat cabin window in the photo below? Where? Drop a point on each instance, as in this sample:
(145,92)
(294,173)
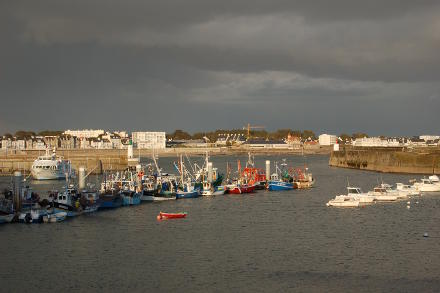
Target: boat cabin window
(354,190)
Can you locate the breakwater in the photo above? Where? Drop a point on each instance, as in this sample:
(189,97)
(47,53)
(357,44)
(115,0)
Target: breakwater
(116,159)
(392,160)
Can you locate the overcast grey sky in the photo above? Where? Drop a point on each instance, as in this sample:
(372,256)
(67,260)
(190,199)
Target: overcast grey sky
(330,66)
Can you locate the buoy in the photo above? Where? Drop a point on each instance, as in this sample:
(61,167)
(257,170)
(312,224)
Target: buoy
(417,202)
(408,207)
(408,202)
(425,234)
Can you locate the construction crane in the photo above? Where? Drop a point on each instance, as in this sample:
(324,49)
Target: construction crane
(249,127)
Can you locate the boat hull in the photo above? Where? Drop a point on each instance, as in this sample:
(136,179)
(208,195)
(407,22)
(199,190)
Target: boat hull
(129,200)
(279,186)
(347,204)
(190,194)
(6,218)
(110,201)
(55,217)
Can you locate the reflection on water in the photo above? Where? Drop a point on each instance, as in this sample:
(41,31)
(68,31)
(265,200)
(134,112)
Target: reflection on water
(267,241)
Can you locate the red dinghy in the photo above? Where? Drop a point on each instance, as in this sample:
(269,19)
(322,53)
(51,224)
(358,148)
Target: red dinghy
(165,216)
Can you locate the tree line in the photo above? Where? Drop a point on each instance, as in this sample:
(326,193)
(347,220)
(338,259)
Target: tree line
(214,135)
(22,134)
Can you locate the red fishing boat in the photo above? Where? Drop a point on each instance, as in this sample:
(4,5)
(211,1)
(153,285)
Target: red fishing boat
(255,177)
(165,216)
(240,188)
(233,189)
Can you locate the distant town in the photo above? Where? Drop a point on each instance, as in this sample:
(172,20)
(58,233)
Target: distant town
(239,138)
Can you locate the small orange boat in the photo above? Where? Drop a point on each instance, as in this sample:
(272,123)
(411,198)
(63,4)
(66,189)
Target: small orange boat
(165,216)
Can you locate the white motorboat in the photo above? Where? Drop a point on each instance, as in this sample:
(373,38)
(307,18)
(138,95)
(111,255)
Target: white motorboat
(50,166)
(357,193)
(400,194)
(408,189)
(380,193)
(427,185)
(434,179)
(344,201)
(54,217)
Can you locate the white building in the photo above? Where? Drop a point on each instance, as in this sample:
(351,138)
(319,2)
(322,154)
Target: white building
(327,139)
(376,142)
(429,137)
(6,144)
(149,140)
(86,133)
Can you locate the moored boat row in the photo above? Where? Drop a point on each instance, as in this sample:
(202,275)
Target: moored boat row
(386,193)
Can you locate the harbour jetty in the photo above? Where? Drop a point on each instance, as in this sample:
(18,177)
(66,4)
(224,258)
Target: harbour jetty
(388,159)
(117,159)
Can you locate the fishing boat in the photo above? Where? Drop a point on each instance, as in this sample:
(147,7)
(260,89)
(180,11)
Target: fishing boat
(109,194)
(68,201)
(51,166)
(167,187)
(210,190)
(275,184)
(280,180)
(110,200)
(130,197)
(303,179)
(239,188)
(188,191)
(186,187)
(89,200)
(207,173)
(165,216)
(344,201)
(255,177)
(149,188)
(187,194)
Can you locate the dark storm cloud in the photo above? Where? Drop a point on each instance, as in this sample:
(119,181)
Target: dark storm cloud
(141,64)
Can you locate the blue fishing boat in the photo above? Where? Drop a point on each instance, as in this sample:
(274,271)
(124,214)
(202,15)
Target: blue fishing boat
(279,186)
(109,195)
(188,190)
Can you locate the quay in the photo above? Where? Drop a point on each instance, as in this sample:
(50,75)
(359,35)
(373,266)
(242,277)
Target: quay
(422,160)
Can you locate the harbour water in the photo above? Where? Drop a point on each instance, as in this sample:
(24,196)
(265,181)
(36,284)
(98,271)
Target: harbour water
(261,242)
